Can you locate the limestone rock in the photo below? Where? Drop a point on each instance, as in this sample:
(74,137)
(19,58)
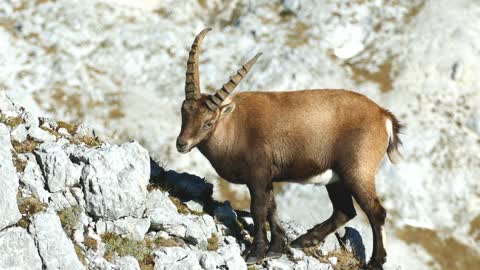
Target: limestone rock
(19,133)
(133,228)
(175,258)
(127,263)
(57,168)
(55,248)
(33,179)
(115,179)
(9,213)
(40,135)
(18,250)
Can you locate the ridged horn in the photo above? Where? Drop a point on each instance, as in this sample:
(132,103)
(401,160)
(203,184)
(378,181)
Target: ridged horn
(192,81)
(213,101)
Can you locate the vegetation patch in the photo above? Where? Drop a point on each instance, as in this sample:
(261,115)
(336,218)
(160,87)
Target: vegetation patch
(69,219)
(18,163)
(87,140)
(11,121)
(90,243)
(26,146)
(346,260)
(28,206)
(79,252)
(212,242)
(71,128)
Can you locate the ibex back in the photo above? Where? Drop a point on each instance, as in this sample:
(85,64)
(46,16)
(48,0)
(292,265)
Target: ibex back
(257,138)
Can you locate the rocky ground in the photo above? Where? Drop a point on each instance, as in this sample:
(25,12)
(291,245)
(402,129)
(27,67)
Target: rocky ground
(71,201)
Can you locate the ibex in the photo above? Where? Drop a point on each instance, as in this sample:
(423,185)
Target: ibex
(257,138)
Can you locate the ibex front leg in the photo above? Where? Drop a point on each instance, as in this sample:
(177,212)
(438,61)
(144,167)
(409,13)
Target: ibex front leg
(258,187)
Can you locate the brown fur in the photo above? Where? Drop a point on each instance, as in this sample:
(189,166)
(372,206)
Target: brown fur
(291,136)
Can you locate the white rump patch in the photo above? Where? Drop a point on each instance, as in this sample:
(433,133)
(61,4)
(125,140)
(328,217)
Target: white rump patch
(323,179)
(389,130)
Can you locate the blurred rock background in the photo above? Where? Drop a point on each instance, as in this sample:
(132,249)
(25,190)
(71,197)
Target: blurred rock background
(119,66)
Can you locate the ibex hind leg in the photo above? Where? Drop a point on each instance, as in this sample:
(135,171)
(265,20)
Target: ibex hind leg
(363,191)
(343,211)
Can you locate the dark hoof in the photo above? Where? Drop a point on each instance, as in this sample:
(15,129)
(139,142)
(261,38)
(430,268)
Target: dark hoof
(273,255)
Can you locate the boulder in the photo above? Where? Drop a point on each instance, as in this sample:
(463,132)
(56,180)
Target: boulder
(57,168)
(176,258)
(115,179)
(55,248)
(127,263)
(9,213)
(32,178)
(132,228)
(19,133)
(18,250)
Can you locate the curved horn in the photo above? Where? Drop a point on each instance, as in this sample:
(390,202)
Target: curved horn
(192,81)
(215,100)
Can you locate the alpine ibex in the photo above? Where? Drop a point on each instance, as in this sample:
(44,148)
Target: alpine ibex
(257,138)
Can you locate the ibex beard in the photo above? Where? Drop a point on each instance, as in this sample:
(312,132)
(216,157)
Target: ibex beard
(258,138)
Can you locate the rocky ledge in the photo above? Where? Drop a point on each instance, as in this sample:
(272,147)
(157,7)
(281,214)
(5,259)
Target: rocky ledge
(71,201)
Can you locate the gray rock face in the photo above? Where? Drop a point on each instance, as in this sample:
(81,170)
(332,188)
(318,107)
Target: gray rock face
(115,180)
(164,216)
(40,135)
(56,166)
(33,179)
(133,228)
(18,250)
(175,258)
(19,133)
(127,263)
(55,248)
(9,213)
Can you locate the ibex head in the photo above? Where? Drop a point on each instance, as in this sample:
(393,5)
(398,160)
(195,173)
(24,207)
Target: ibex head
(200,112)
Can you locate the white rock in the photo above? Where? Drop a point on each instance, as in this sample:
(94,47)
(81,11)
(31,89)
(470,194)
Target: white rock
(100,227)
(333,260)
(195,206)
(133,228)
(211,260)
(6,105)
(41,135)
(175,258)
(282,263)
(9,213)
(115,180)
(18,250)
(63,131)
(19,133)
(55,248)
(32,178)
(57,167)
(231,254)
(31,120)
(62,200)
(127,263)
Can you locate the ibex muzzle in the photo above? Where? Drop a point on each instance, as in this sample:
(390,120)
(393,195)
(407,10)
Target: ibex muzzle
(257,138)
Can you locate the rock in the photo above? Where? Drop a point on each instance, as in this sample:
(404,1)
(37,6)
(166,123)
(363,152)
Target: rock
(127,263)
(57,168)
(282,263)
(231,254)
(19,133)
(7,107)
(225,213)
(55,248)
(33,179)
(161,211)
(9,213)
(115,179)
(100,227)
(194,206)
(18,250)
(333,260)
(133,228)
(199,229)
(41,135)
(31,120)
(211,260)
(175,258)
(63,131)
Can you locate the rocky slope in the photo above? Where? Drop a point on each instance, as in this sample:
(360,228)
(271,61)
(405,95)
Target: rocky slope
(70,201)
(119,66)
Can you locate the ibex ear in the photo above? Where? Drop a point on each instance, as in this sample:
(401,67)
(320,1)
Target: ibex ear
(226,109)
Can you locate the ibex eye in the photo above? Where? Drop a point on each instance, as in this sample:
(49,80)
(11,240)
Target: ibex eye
(208,125)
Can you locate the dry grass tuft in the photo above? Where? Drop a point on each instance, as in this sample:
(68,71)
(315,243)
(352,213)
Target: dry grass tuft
(28,206)
(11,121)
(90,243)
(346,260)
(26,146)
(69,218)
(212,242)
